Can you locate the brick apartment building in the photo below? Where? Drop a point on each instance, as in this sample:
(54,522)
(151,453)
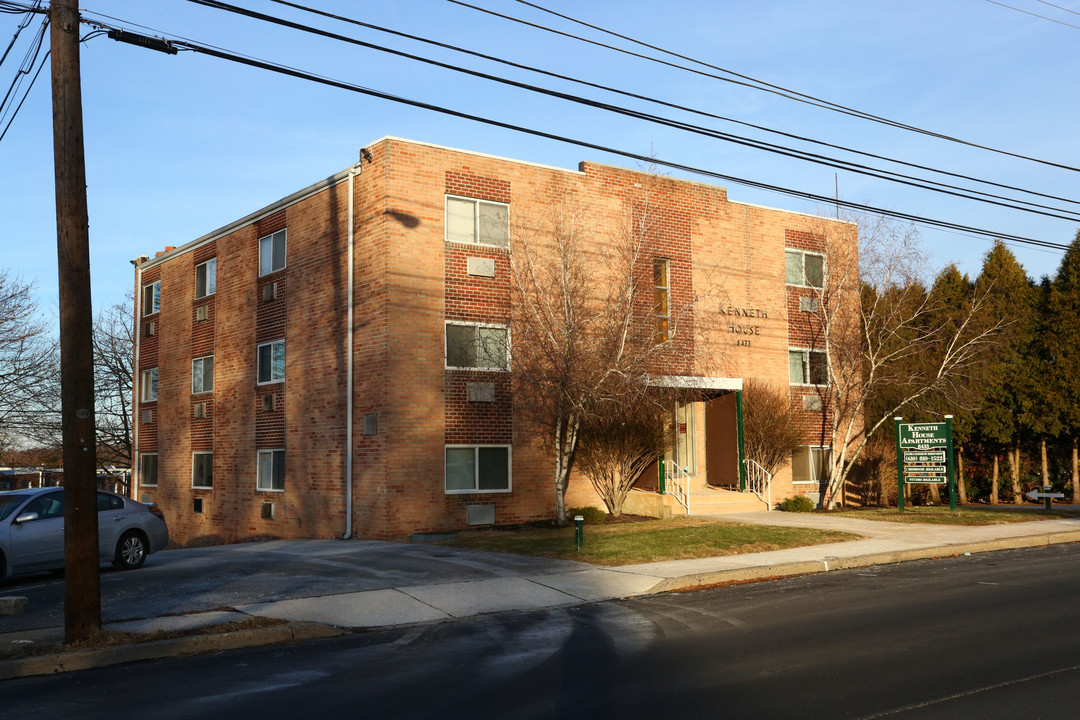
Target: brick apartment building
(323,367)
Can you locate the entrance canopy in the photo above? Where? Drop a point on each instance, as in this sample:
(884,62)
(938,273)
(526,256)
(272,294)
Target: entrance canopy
(712,385)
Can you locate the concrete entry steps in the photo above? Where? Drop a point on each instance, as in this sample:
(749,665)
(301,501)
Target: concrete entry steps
(716,501)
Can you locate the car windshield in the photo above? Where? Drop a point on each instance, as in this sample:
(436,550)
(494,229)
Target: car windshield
(10,501)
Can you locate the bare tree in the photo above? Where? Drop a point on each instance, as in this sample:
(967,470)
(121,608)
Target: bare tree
(886,335)
(588,325)
(29,376)
(114,350)
(770,430)
(616,447)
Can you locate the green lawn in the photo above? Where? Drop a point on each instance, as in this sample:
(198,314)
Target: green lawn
(647,541)
(965,515)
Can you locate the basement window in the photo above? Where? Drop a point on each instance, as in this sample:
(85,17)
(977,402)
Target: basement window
(477,468)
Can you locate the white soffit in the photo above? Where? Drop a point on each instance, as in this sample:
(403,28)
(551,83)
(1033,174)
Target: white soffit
(691,382)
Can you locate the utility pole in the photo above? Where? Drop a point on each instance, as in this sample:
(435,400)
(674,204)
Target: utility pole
(82,595)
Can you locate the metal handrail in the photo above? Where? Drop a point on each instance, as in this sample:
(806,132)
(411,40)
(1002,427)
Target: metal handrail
(759,481)
(678,483)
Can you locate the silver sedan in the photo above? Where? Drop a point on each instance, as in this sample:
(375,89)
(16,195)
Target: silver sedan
(32,530)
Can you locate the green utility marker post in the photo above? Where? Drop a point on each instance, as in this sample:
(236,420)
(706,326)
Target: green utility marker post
(899,468)
(579,531)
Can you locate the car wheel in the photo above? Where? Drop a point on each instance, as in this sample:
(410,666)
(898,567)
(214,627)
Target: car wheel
(130,551)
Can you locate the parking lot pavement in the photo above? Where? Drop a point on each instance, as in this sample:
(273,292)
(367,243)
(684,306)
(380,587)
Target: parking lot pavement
(225,576)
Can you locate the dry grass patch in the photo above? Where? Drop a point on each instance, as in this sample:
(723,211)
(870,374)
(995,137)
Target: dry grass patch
(965,515)
(107,638)
(648,541)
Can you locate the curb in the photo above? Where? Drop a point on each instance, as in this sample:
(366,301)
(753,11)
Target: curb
(807,567)
(72,660)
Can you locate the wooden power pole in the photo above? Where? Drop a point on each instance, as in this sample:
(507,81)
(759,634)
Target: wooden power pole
(82,601)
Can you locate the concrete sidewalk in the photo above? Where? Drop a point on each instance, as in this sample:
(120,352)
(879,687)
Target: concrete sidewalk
(446,597)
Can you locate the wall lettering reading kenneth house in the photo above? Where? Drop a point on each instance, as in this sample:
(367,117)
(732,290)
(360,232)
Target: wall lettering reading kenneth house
(740,322)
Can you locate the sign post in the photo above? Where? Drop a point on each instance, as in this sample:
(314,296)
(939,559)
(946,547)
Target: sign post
(924,454)
(899,468)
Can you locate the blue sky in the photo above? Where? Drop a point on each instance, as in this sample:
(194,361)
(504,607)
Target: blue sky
(179,145)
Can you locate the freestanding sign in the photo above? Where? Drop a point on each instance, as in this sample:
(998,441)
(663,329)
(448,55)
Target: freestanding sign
(924,454)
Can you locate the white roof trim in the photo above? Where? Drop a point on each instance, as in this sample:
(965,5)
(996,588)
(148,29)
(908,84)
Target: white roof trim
(691,382)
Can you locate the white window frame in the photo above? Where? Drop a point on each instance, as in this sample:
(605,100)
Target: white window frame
(258,470)
(477,326)
(266,244)
(258,362)
(809,450)
(148,385)
(143,482)
(806,352)
(209,278)
(475,489)
(802,267)
(153,291)
(201,361)
(476,203)
(195,455)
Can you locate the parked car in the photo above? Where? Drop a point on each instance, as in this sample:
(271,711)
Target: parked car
(32,530)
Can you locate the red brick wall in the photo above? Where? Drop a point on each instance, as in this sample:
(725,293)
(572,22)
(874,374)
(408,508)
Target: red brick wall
(408,283)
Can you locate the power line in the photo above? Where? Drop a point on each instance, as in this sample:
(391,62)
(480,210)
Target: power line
(663,103)
(25,69)
(340,84)
(755,84)
(1059,7)
(1028,12)
(18,30)
(909,180)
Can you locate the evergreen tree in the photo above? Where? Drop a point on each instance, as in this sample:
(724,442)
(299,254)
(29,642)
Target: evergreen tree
(1008,381)
(1063,338)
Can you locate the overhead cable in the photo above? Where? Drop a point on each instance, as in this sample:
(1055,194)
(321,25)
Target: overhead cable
(653,100)
(912,181)
(756,84)
(647,159)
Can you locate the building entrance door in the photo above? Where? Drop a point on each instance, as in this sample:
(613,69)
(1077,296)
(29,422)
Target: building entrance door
(722,442)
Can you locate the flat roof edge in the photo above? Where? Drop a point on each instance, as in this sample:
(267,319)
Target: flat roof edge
(473,153)
(259,214)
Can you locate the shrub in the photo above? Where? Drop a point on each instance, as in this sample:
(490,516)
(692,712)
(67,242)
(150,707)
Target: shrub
(592,515)
(797,503)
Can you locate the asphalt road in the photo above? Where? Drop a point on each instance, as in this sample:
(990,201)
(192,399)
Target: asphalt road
(982,636)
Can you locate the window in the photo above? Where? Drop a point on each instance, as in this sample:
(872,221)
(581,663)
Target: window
(807,367)
(476,346)
(107,502)
(202,470)
(202,374)
(477,222)
(151,298)
(271,471)
(662,299)
(49,505)
(271,253)
(684,447)
(810,464)
(272,362)
(148,469)
(206,278)
(148,385)
(803,268)
(480,468)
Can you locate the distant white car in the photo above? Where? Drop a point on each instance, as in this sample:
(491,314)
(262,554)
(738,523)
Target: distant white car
(32,530)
